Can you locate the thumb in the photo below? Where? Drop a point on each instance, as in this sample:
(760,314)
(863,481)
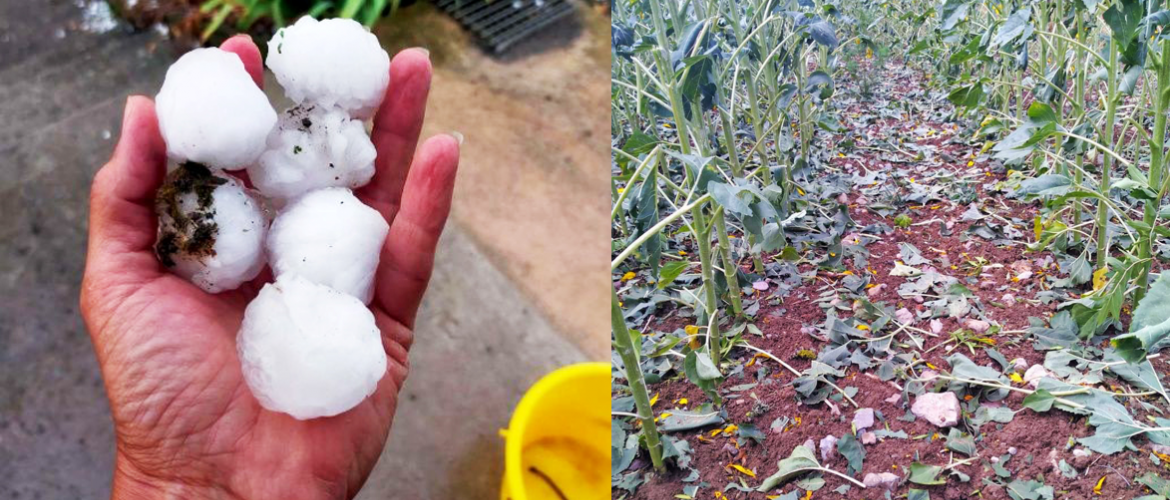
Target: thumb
(121,213)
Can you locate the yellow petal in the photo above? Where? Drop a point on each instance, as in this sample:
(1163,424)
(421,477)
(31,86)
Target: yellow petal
(654,399)
(748,472)
(1099,279)
(628,276)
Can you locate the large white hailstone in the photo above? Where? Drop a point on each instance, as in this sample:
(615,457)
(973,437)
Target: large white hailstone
(308,350)
(313,147)
(210,229)
(211,112)
(335,62)
(330,238)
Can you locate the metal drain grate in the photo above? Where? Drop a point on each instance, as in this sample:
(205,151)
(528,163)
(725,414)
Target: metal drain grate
(500,23)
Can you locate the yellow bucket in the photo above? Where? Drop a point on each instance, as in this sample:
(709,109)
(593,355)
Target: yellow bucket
(558,442)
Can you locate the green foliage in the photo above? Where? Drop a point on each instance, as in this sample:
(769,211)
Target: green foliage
(850,448)
(247,12)
(801,461)
(1029,490)
(1040,401)
(1150,323)
(927,475)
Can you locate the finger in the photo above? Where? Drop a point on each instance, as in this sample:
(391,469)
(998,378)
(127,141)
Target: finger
(243,46)
(121,216)
(396,128)
(407,256)
(396,339)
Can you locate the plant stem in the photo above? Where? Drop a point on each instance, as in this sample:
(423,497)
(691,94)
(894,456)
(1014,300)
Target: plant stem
(730,269)
(1079,110)
(729,144)
(1071,404)
(1106,162)
(1157,169)
(624,344)
(703,241)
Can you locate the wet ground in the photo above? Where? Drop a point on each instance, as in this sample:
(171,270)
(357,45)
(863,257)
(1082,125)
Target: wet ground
(488,327)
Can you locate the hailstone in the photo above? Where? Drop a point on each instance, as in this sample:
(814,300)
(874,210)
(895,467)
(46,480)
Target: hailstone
(335,62)
(211,112)
(312,147)
(210,229)
(329,237)
(308,350)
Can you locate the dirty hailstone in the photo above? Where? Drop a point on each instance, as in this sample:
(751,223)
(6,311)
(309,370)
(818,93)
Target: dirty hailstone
(330,238)
(308,350)
(314,147)
(337,73)
(210,229)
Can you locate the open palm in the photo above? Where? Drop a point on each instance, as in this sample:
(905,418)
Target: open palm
(186,423)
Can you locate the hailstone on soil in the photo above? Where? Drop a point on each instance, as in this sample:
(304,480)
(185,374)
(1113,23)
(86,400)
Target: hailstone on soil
(210,228)
(314,147)
(330,238)
(308,350)
(335,62)
(211,112)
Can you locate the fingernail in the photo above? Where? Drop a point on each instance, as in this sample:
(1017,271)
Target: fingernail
(458,137)
(424,51)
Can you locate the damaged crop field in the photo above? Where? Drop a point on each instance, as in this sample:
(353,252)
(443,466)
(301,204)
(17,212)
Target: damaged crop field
(866,250)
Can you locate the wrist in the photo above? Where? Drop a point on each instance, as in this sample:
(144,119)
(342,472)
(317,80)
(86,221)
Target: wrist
(133,483)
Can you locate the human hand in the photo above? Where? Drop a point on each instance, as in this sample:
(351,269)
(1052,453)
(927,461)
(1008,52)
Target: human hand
(186,423)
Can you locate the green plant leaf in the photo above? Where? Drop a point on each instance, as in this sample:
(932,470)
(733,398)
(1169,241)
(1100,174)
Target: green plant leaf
(952,12)
(801,461)
(1044,185)
(1124,17)
(1040,401)
(1150,323)
(968,97)
(962,366)
(681,420)
(850,448)
(706,368)
(670,271)
(1029,490)
(956,441)
(822,32)
(1156,483)
(923,474)
(1013,27)
(1040,114)
(985,414)
(1061,332)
